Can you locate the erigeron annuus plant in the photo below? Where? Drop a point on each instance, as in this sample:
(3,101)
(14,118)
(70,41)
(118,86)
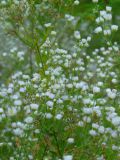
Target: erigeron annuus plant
(70,110)
(29,21)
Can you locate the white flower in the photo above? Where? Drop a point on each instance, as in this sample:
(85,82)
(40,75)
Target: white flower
(98,30)
(103,13)
(114,134)
(47,25)
(115,147)
(18,132)
(10,90)
(114,27)
(53,33)
(76,2)
(107,32)
(22,90)
(108,8)
(1,110)
(92,132)
(11,158)
(59,116)
(80,123)
(95,125)
(100,83)
(70,140)
(101,129)
(69,85)
(20,125)
(50,95)
(28,120)
(86,119)
(101,158)
(34,106)
(95,1)
(50,103)
(114,80)
(88,38)
(108,17)
(77,35)
(48,115)
(68,157)
(30,157)
(3,2)
(17,102)
(86,101)
(87,110)
(12,111)
(37,131)
(111,93)
(116,121)
(116,48)
(20,54)
(96,89)
(69,17)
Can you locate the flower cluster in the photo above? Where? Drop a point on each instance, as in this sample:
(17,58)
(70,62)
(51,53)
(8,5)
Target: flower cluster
(65,105)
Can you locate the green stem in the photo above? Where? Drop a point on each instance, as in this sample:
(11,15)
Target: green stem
(57,143)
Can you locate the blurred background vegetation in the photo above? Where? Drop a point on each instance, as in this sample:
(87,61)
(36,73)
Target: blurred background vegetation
(83,10)
(85,15)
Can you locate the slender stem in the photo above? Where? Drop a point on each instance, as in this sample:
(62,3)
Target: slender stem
(57,143)
(31,64)
(38,51)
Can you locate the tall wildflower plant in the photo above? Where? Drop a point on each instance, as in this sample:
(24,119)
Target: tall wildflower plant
(67,106)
